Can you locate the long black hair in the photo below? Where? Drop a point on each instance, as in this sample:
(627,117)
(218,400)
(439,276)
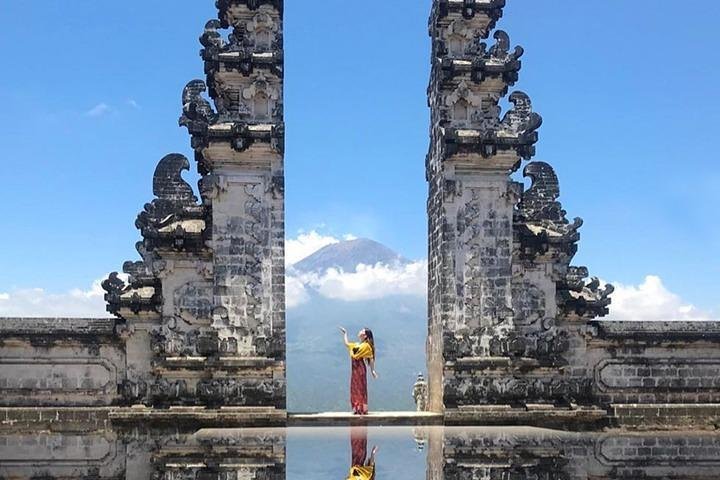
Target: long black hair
(370,338)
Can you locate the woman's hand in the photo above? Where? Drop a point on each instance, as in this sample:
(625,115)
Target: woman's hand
(345,338)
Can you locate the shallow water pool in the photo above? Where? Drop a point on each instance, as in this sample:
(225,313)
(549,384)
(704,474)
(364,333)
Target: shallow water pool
(401,453)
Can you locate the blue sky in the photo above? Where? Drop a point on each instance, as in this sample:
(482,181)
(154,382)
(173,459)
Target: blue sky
(628,91)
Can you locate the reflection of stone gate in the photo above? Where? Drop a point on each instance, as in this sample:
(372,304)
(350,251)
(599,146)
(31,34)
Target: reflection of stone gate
(512,336)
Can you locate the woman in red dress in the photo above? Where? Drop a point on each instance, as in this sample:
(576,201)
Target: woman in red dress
(362,466)
(362,354)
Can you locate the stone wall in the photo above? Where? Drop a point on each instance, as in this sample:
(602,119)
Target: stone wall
(652,362)
(651,375)
(60,361)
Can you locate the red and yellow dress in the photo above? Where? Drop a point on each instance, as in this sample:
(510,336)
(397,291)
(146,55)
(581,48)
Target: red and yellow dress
(359,352)
(361,473)
(362,468)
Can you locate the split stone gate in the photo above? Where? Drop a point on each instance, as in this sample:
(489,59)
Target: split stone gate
(512,331)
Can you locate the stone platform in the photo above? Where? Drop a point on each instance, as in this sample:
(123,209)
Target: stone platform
(577,418)
(90,418)
(629,417)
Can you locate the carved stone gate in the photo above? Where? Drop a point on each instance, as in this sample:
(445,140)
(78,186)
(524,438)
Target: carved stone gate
(511,329)
(200,319)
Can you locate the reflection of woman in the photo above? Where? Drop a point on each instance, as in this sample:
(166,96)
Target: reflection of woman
(361,468)
(361,352)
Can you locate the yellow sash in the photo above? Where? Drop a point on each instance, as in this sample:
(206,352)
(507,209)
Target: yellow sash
(361,473)
(360,351)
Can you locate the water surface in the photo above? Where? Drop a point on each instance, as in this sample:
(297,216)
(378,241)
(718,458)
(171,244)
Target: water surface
(402,453)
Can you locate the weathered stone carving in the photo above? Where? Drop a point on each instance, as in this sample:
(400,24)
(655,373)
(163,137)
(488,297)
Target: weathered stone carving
(540,219)
(582,299)
(226,8)
(210,288)
(501,286)
(464,53)
(197,111)
(516,132)
(492,10)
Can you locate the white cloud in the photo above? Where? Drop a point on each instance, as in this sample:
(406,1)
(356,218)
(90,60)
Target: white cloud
(99,110)
(36,302)
(306,244)
(295,292)
(133,104)
(371,282)
(651,300)
(368,282)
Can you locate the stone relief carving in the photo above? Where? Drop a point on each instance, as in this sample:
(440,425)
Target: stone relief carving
(545,231)
(198,114)
(541,218)
(491,10)
(521,122)
(221,390)
(224,7)
(485,236)
(263,97)
(477,389)
(580,298)
(153,391)
(463,105)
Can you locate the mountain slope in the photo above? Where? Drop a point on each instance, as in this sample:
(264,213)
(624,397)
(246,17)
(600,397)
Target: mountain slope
(348,255)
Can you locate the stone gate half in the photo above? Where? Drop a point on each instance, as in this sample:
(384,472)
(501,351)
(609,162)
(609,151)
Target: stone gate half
(511,322)
(200,319)
(209,293)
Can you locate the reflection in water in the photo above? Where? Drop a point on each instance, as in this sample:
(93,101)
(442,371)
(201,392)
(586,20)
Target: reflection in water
(321,453)
(530,453)
(362,466)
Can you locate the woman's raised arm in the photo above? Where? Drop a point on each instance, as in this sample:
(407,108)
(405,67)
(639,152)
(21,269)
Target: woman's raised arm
(345,338)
